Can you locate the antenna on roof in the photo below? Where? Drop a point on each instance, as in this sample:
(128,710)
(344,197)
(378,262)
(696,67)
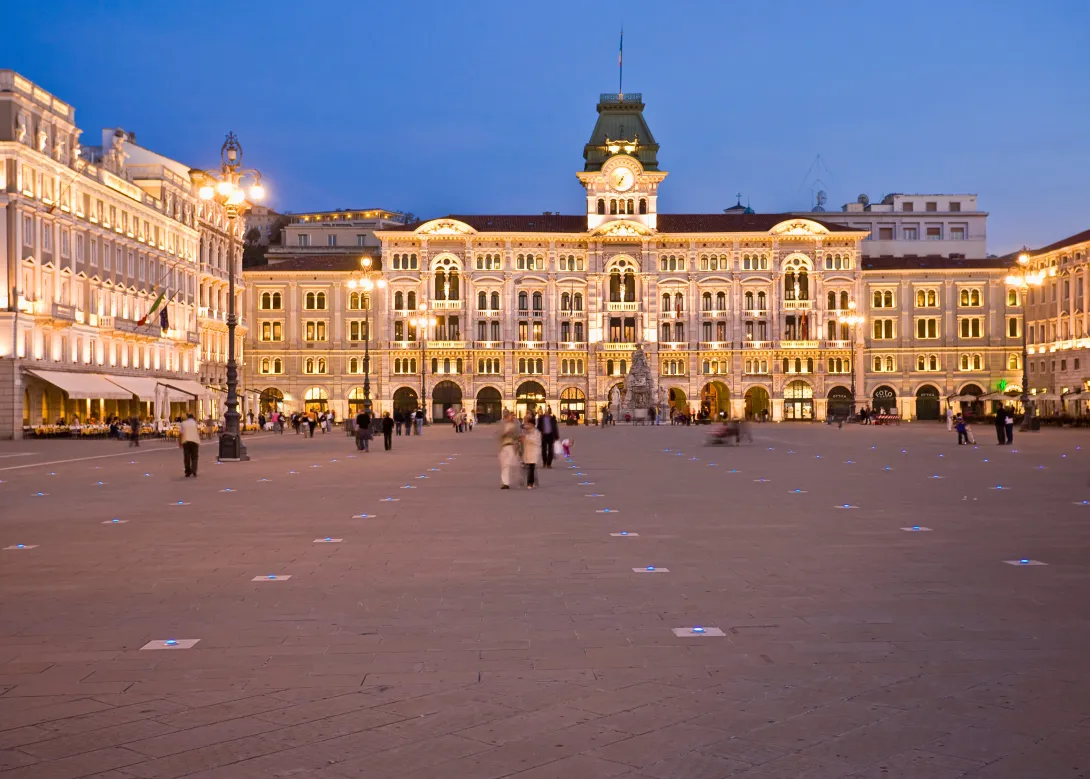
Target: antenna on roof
(814,179)
(620,68)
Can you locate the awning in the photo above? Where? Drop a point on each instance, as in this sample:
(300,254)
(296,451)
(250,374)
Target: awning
(964,398)
(1001,396)
(82,385)
(1045,396)
(146,387)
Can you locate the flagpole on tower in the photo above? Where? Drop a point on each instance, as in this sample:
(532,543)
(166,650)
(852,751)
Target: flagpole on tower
(620,68)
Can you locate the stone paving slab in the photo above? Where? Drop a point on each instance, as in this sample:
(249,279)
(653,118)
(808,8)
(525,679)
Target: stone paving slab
(465,631)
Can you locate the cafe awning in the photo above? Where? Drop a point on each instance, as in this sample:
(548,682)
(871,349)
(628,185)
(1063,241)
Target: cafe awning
(146,387)
(82,385)
(190,389)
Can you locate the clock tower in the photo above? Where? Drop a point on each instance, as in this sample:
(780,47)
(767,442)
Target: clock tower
(621,173)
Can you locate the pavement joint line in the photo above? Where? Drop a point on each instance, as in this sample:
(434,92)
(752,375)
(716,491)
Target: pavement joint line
(99,457)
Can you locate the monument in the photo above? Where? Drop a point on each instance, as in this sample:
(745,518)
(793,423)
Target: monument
(639,390)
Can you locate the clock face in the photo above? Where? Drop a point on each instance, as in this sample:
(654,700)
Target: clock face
(622,179)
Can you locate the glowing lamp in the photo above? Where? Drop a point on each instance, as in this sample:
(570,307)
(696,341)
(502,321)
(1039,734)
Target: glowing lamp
(257,192)
(207,192)
(225,188)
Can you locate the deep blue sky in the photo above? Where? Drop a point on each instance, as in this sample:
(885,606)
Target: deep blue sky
(439,107)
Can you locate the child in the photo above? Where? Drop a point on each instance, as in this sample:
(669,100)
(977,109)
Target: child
(566,445)
(962,428)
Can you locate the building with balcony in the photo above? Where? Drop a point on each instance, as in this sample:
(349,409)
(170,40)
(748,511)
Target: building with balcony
(88,242)
(739,313)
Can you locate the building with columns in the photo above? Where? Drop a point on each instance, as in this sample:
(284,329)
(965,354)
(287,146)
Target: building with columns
(739,313)
(1058,334)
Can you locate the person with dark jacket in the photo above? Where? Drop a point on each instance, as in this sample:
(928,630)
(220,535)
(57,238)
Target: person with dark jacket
(387,431)
(546,425)
(399,420)
(363,430)
(1001,425)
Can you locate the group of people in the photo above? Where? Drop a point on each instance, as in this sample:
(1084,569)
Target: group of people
(1004,426)
(365,430)
(462,420)
(411,421)
(534,442)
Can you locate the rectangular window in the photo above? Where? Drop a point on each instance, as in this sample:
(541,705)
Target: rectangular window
(331,240)
(28,231)
(931,205)
(47,238)
(927,328)
(934,233)
(907,206)
(357,331)
(971,327)
(524,330)
(272,331)
(957,233)
(579,332)
(360,239)
(304,239)
(883,329)
(66,245)
(955,206)
(885,233)
(315,331)
(911,233)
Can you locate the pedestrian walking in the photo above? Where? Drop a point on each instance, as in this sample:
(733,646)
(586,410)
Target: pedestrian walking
(949,418)
(134,431)
(1009,423)
(509,440)
(387,431)
(363,431)
(399,420)
(419,421)
(1001,425)
(962,428)
(547,427)
(189,440)
(313,422)
(531,452)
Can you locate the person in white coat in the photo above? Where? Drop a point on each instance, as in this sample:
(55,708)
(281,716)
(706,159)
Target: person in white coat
(949,418)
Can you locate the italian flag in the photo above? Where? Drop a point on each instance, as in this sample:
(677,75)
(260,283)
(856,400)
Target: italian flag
(154,306)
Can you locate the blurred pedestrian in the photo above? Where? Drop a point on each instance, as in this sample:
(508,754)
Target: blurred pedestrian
(387,431)
(189,440)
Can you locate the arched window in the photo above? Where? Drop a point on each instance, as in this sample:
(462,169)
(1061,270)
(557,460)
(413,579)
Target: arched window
(410,301)
(578,301)
(266,300)
(601,206)
(832,300)
(761,301)
(1012,362)
(665,301)
(612,206)
(524,301)
(609,367)
(399,300)
(809,364)
(887,299)
(679,302)
(665,331)
(1012,328)
(748,300)
(977,362)
(921,298)
(435,365)
(265,364)
(1012,297)
(679,331)
(277,301)
(412,365)
(624,367)
(706,301)
(480,366)
(579,366)
(440,285)
(309,367)
(321,301)
(494,299)
(321,365)
(354,365)
(631,207)
(446,365)
(482,300)
(933,363)
(643,205)
(921,363)
(974,297)
(630,287)
(540,365)
(565,301)
(798,365)
(964,297)
(310,301)
(889,363)
(877,363)
(673,263)
(877,299)
(720,301)
(537,301)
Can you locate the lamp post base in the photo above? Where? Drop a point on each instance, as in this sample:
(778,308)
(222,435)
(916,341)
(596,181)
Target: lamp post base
(232,449)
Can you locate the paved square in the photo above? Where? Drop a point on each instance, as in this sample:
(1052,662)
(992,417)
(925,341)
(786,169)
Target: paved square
(470,632)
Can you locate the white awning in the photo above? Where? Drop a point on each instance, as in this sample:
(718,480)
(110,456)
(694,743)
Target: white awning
(82,385)
(146,387)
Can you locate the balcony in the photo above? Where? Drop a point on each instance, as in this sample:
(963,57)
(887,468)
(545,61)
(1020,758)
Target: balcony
(192,338)
(445,344)
(716,345)
(618,346)
(106,322)
(838,344)
(675,345)
(713,314)
(797,305)
(622,306)
(799,344)
(756,312)
(572,345)
(446,305)
(751,344)
(532,344)
(487,312)
(64,313)
(488,344)
(404,344)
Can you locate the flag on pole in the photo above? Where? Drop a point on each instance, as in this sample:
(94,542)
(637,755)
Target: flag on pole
(164,320)
(620,54)
(158,302)
(620,67)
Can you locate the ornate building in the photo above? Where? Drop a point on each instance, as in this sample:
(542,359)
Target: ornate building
(738,313)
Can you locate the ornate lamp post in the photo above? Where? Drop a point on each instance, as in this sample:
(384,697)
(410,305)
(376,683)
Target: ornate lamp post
(1022,278)
(421,324)
(367,284)
(231,185)
(851,319)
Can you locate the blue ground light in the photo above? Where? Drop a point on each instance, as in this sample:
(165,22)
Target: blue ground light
(328,538)
(1023,561)
(624,532)
(115,520)
(171,642)
(650,567)
(698,629)
(915,527)
(20,546)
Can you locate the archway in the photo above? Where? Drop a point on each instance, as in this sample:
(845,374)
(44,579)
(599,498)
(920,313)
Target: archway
(972,408)
(406,400)
(489,405)
(355,401)
(573,404)
(271,400)
(316,399)
(927,402)
(679,402)
(884,400)
(528,397)
(445,395)
(758,404)
(715,401)
(839,403)
(798,401)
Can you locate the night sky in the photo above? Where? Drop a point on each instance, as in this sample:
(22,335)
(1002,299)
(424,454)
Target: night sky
(476,107)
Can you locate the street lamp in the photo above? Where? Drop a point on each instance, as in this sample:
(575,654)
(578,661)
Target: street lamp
(367,284)
(1022,278)
(421,324)
(231,186)
(851,319)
